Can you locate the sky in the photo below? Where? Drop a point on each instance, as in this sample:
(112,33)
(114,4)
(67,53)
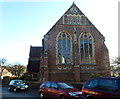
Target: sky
(24,23)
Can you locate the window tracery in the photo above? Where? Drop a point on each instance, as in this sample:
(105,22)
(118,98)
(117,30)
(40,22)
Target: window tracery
(74,19)
(86,48)
(64,48)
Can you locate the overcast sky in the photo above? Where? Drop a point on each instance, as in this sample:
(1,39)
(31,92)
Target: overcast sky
(25,23)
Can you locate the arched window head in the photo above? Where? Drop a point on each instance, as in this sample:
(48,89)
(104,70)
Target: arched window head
(63,48)
(86,47)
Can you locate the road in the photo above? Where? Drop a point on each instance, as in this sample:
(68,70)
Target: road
(30,94)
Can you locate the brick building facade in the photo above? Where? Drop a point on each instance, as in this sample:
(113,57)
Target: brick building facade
(71,51)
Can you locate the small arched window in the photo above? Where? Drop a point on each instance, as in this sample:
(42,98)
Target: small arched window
(64,48)
(86,48)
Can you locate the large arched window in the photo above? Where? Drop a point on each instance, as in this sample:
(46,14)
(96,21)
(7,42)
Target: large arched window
(64,48)
(86,49)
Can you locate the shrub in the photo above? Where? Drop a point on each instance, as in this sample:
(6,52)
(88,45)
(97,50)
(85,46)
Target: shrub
(95,75)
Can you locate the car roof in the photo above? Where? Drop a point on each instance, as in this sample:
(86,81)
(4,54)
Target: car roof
(16,80)
(54,81)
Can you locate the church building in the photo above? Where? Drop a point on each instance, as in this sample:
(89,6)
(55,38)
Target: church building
(71,51)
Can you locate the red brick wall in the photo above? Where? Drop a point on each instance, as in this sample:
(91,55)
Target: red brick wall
(99,53)
(74,72)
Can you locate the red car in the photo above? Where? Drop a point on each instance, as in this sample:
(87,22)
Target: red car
(58,90)
(102,88)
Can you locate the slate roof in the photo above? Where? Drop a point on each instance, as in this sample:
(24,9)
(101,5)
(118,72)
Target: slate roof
(35,51)
(34,56)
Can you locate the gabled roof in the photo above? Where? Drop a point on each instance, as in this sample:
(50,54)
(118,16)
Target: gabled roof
(35,51)
(79,12)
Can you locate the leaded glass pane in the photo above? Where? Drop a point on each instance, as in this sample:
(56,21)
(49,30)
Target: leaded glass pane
(68,45)
(63,35)
(68,59)
(90,48)
(59,44)
(63,59)
(63,47)
(81,49)
(85,36)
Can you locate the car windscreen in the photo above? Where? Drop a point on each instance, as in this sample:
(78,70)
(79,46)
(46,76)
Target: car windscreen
(65,85)
(19,82)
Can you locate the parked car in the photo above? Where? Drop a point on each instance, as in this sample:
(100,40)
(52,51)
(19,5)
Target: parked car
(102,88)
(60,90)
(16,85)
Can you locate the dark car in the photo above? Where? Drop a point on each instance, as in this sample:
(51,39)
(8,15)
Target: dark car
(102,88)
(16,85)
(58,90)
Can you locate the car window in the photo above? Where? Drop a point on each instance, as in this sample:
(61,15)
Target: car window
(108,85)
(54,85)
(48,84)
(92,84)
(11,82)
(65,85)
(19,82)
(43,84)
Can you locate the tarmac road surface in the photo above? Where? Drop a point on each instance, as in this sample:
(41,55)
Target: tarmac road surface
(30,94)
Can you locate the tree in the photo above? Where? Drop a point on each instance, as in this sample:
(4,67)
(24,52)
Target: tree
(116,60)
(2,61)
(115,68)
(2,65)
(18,69)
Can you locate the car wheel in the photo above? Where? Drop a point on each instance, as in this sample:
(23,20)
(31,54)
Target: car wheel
(14,89)
(26,89)
(90,98)
(62,97)
(41,95)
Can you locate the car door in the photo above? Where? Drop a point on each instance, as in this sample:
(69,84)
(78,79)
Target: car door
(55,90)
(47,89)
(108,88)
(102,89)
(90,88)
